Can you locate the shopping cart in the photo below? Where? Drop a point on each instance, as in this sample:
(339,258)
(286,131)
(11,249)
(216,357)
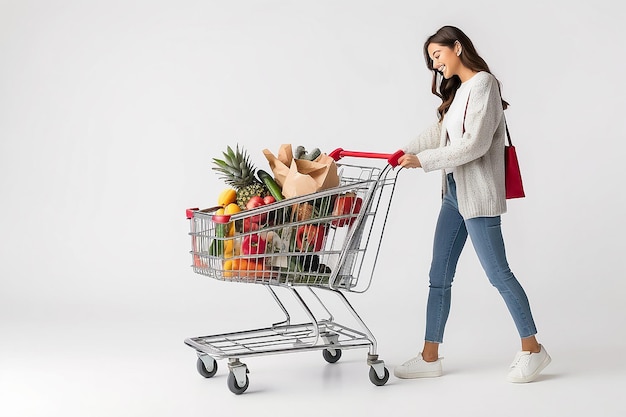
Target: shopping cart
(320,242)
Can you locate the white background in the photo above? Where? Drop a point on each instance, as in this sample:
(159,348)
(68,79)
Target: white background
(111,112)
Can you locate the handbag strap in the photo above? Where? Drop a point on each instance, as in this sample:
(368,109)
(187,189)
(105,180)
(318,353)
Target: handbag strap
(508,135)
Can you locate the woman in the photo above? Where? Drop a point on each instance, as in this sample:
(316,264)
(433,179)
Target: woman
(467,145)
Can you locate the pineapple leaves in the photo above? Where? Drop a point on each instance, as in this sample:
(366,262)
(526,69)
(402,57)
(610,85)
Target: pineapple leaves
(227,158)
(225,169)
(245,171)
(235,167)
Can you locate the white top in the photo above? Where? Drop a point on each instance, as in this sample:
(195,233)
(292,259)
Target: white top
(454,118)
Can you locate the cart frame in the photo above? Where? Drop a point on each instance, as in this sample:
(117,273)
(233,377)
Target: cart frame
(351,244)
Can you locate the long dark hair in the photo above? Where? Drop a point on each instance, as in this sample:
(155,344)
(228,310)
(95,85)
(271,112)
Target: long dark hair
(446,88)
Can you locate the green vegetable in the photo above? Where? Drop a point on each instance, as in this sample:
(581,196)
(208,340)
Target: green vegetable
(217,244)
(312,155)
(323,206)
(299,152)
(271,185)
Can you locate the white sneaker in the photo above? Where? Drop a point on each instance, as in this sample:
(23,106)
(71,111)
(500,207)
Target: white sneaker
(526,366)
(417,367)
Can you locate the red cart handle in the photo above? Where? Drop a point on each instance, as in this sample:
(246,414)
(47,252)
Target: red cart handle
(392,158)
(190,211)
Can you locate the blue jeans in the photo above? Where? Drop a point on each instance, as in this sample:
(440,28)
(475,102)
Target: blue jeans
(486,236)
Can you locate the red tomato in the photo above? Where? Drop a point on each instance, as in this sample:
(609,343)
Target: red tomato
(249,225)
(253,245)
(346,205)
(310,238)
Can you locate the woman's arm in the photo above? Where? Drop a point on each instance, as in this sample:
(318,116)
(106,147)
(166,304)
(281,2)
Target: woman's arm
(428,139)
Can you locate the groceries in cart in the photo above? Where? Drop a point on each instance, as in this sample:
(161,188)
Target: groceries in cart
(302,172)
(256,233)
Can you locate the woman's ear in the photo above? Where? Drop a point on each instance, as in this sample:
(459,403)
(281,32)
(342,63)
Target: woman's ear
(458,48)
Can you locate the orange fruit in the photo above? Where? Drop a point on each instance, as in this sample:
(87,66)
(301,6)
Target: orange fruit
(232,208)
(256,268)
(228,266)
(229,248)
(226,197)
(243,264)
(239,265)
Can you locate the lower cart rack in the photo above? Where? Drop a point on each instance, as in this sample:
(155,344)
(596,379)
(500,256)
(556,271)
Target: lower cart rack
(279,339)
(326,335)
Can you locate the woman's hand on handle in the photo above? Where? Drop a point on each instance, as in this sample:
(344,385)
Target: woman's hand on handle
(409,160)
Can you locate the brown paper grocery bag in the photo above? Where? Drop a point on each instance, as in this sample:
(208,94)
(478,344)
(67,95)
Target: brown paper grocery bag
(280,164)
(306,177)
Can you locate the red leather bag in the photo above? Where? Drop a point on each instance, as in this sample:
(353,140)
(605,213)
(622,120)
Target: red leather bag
(513,176)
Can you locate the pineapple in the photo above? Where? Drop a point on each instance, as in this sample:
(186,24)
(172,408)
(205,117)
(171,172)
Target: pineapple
(238,172)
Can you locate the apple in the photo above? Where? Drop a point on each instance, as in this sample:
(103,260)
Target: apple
(255,201)
(269,199)
(249,225)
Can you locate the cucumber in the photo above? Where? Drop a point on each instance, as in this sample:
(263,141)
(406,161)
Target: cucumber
(217,244)
(271,185)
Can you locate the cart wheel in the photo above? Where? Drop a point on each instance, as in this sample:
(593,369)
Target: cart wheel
(203,371)
(377,381)
(234,387)
(330,358)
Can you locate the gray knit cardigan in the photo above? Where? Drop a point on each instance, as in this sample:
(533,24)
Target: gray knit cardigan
(478,158)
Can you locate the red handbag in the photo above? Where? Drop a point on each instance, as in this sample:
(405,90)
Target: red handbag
(512,174)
